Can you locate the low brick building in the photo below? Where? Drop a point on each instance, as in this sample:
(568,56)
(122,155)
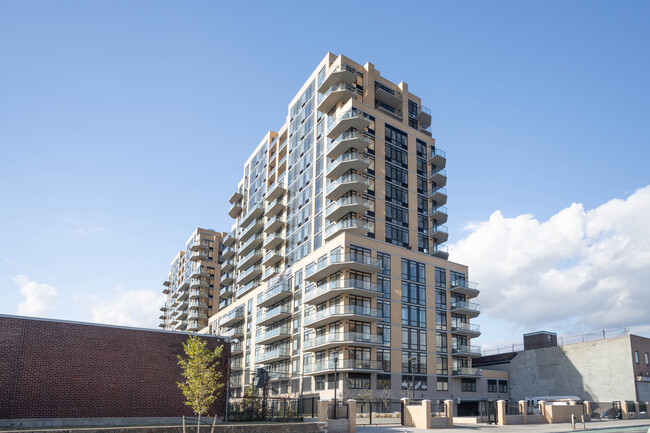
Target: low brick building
(59,369)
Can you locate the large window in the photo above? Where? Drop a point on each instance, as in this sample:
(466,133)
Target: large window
(397,175)
(492,385)
(383,285)
(420,382)
(419,365)
(383,381)
(397,137)
(441,321)
(414,316)
(441,299)
(385,263)
(383,356)
(468,385)
(442,365)
(358,380)
(413,271)
(414,339)
(397,156)
(398,195)
(397,235)
(413,293)
(442,384)
(503,386)
(397,215)
(384,310)
(441,342)
(441,277)
(320,382)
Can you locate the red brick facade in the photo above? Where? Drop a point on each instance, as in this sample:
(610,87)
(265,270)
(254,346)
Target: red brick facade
(53,369)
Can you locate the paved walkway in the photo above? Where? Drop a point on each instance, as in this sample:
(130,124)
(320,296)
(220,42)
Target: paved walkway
(631,426)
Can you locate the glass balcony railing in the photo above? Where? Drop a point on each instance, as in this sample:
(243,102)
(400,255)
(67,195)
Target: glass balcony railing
(341,87)
(343,310)
(275,332)
(347,179)
(342,258)
(462,305)
(343,337)
(437,152)
(344,364)
(270,314)
(349,135)
(465,327)
(350,224)
(334,285)
(349,114)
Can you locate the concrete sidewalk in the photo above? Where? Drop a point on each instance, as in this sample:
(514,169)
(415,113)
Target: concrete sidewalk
(630,426)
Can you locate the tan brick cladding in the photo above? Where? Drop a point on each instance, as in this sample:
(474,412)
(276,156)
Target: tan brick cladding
(51,369)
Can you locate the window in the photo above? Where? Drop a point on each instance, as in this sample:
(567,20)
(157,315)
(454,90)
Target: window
(442,384)
(492,385)
(397,235)
(420,382)
(320,383)
(358,380)
(397,195)
(384,310)
(468,385)
(383,331)
(413,316)
(441,321)
(441,299)
(441,342)
(636,356)
(413,271)
(383,284)
(383,356)
(397,175)
(413,293)
(419,365)
(503,386)
(397,215)
(385,263)
(646,359)
(441,277)
(397,156)
(395,136)
(383,381)
(442,366)
(414,339)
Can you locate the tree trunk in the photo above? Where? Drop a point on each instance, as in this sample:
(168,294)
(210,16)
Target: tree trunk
(214,421)
(183,423)
(198,424)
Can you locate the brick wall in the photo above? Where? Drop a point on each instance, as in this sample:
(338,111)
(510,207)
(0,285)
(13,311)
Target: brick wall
(54,369)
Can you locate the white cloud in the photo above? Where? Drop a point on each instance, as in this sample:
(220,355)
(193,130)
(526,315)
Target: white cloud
(39,297)
(81,228)
(138,308)
(578,271)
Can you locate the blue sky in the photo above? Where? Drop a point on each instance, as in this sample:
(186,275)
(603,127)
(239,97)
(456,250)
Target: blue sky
(115,118)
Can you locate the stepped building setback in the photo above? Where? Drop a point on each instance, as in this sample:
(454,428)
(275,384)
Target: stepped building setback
(336,262)
(190,285)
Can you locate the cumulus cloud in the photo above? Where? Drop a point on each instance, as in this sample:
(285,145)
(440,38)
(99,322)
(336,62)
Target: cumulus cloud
(39,297)
(580,270)
(138,308)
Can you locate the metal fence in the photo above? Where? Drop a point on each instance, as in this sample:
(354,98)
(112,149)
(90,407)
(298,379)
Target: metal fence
(512,408)
(340,411)
(642,407)
(604,410)
(373,412)
(264,409)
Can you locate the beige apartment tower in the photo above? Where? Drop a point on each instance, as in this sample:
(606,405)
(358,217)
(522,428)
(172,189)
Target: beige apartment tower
(190,286)
(336,260)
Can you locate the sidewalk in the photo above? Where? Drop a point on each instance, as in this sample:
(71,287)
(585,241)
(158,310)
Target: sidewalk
(630,426)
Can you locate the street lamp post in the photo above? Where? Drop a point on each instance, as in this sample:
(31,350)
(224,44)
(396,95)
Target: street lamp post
(336,382)
(412,361)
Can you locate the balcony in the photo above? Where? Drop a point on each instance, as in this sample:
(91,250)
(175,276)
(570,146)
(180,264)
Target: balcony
(343,365)
(272,258)
(440,251)
(235,196)
(343,206)
(352,160)
(230,239)
(466,350)
(197,245)
(271,336)
(467,372)
(198,294)
(351,118)
(273,355)
(228,253)
(469,309)
(276,293)
(346,184)
(235,332)
(273,241)
(275,207)
(439,195)
(439,233)
(226,278)
(248,276)
(166,291)
(336,288)
(439,177)
(354,226)
(338,262)
(274,224)
(228,266)
(333,95)
(249,245)
(235,209)
(269,273)
(225,292)
(276,190)
(273,315)
(467,288)
(338,312)
(334,339)
(200,256)
(387,95)
(253,228)
(338,74)
(198,271)
(235,316)
(391,111)
(466,329)
(236,349)
(350,140)
(252,215)
(251,258)
(242,290)
(423,116)
(438,157)
(198,309)
(439,213)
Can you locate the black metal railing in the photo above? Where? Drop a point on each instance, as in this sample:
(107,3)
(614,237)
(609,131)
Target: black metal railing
(378,411)
(264,409)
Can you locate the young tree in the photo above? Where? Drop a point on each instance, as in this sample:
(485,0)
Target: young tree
(202,380)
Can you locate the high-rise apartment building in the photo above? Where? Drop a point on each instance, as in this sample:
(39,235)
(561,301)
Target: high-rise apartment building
(190,285)
(337,260)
